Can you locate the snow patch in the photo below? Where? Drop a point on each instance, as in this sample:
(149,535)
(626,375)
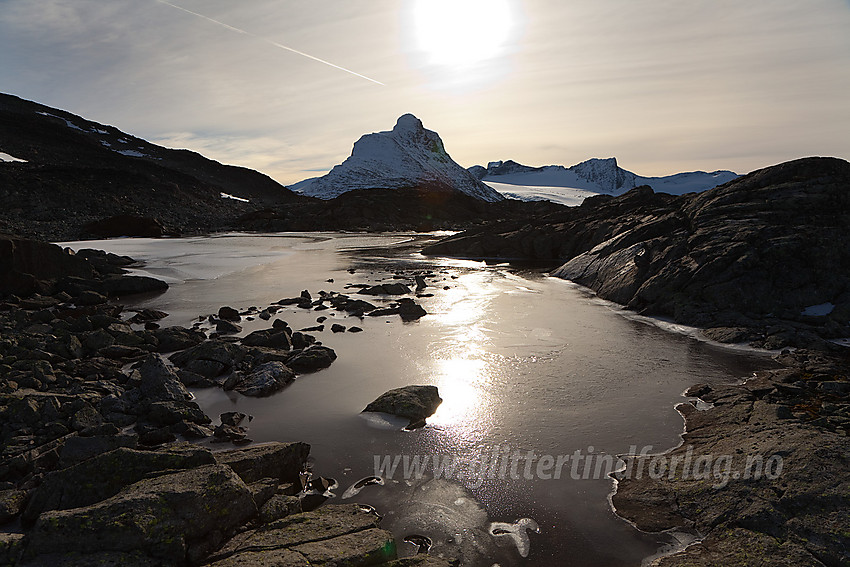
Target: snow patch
(67,122)
(4,157)
(234,197)
(132,153)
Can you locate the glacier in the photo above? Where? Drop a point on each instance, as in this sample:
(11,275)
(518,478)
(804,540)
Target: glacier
(571,185)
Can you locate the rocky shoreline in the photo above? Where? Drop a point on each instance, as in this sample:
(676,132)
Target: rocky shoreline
(96,465)
(761,475)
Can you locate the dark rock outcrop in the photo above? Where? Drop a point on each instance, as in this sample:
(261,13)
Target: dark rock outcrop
(123,225)
(30,266)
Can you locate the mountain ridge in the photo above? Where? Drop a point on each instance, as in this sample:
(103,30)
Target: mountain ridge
(595,175)
(408,156)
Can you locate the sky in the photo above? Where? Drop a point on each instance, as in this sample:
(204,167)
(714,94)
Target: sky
(287,86)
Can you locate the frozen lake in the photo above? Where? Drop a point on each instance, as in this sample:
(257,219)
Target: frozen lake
(522,361)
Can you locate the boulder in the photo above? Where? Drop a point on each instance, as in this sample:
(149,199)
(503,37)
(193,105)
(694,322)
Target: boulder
(210,359)
(412,402)
(410,310)
(270,338)
(131,285)
(266,379)
(160,382)
(227,328)
(386,289)
(229,314)
(170,339)
(312,359)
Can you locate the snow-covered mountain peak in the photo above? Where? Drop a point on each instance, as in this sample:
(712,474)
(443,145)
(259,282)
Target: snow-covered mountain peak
(606,173)
(408,156)
(408,122)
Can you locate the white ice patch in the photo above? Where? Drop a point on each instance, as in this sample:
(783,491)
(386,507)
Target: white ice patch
(132,153)
(234,197)
(818,310)
(516,532)
(7,158)
(384,421)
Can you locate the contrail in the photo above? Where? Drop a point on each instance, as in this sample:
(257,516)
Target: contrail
(275,44)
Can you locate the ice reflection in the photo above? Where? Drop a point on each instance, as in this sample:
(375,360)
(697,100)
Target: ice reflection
(460,388)
(460,361)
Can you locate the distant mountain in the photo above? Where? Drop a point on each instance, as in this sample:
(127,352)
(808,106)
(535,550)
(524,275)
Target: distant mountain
(586,178)
(71,171)
(408,156)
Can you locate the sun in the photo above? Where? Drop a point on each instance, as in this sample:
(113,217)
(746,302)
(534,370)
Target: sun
(462,33)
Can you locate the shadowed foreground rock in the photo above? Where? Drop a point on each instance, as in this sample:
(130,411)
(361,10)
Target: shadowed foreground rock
(136,510)
(30,267)
(166,517)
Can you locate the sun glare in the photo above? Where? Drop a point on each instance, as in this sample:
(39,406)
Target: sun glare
(462,32)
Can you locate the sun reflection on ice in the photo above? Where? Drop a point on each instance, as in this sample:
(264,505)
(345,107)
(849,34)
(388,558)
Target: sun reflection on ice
(460,361)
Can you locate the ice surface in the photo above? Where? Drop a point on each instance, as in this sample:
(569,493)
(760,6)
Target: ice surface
(818,310)
(569,196)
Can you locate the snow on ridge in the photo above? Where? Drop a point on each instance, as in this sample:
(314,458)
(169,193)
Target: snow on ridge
(6,158)
(594,176)
(234,197)
(409,155)
(65,120)
(131,153)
